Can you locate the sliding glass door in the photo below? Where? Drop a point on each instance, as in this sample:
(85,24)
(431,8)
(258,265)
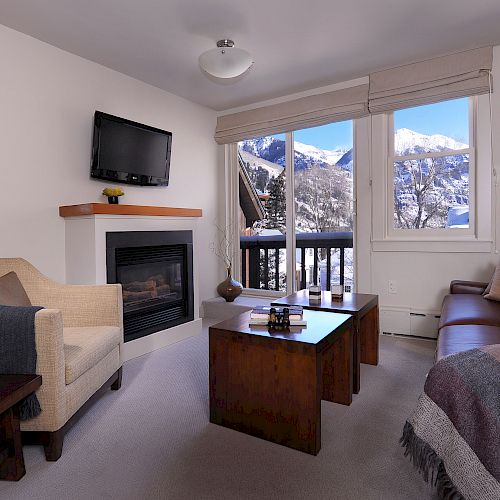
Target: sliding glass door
(314,243)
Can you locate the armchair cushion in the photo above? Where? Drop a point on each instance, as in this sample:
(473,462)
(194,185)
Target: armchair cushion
(85,346)
(12,292)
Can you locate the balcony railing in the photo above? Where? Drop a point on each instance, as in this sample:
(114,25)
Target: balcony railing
(255,258)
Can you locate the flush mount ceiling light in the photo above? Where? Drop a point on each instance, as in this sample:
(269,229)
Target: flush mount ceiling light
(226,63)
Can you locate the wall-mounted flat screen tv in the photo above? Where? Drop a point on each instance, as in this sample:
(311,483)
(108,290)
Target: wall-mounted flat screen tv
(129,152)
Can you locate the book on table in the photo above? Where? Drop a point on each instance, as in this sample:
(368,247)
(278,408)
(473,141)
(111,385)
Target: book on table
(260,315)
(265,321)
(262,312)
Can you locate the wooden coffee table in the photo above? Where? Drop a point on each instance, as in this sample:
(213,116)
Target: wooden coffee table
(270,383)
(364,309)
(13,388)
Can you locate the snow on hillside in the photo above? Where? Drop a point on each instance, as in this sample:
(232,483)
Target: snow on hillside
(408,141)
(254,162)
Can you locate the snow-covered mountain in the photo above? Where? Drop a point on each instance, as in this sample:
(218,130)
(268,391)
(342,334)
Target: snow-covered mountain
(267,148)
(259,146)
(346,161)
(408,141)
(330,156)
(306,155)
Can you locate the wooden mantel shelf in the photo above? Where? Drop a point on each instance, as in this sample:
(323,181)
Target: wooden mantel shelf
(106,208)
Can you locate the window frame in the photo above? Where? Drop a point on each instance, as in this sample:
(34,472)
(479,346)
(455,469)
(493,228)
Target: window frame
(444,233)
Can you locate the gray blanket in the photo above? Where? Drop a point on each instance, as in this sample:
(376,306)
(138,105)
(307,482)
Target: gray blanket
(453,436)
(18,350)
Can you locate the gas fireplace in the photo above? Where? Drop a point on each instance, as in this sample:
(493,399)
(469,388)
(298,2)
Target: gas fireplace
(155,269)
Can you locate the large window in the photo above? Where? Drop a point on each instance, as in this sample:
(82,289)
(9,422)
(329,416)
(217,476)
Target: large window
(315,244)
(431,158)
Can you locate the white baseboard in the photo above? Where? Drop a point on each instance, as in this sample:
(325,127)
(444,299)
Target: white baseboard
(150,343)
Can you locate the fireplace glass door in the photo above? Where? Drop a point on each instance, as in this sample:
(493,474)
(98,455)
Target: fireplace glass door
(150,284)
(155,270)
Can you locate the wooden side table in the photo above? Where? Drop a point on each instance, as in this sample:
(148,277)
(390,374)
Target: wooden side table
(364,310)
(13,388)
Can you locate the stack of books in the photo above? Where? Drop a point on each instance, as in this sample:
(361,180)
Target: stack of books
(260,315)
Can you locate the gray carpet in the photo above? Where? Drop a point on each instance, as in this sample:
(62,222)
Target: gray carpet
(152,439)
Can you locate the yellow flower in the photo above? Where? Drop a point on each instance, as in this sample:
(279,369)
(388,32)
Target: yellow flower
(112,192)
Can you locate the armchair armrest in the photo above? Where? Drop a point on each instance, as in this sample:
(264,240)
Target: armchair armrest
(472,287)
(50,365)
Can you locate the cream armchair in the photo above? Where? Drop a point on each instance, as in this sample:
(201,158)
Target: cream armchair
(79,343)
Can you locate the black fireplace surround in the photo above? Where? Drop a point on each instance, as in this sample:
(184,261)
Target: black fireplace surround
(155,269)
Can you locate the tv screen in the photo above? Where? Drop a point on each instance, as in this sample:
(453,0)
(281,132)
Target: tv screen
(129,152)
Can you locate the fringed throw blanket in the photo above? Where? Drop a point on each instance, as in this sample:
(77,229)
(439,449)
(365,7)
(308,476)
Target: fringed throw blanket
(18,350)
(453,436)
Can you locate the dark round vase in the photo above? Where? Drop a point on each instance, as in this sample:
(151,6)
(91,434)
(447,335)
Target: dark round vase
(113,200)
(229,289)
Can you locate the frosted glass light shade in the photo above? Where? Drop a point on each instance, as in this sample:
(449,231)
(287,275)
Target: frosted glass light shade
(225,62)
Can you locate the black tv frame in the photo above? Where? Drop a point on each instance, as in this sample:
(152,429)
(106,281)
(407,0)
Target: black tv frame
(126,177)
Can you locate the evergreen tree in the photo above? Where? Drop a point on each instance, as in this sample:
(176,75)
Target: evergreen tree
(261,179)
(276,205)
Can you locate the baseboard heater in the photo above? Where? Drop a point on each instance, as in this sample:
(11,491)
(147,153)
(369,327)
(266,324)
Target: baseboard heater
(410,322)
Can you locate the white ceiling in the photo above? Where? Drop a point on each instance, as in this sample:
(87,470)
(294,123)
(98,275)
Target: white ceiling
(297,44)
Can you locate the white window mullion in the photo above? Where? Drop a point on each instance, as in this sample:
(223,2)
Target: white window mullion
(432,154)
(290,214)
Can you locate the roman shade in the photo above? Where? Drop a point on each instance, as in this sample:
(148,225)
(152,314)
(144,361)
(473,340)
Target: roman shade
(310,111)
(457,75)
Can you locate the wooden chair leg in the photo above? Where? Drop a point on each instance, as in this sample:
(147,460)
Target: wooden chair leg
(118,382)
(53,445)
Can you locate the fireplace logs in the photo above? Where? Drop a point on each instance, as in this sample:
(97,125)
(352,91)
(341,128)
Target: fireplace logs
(152,288)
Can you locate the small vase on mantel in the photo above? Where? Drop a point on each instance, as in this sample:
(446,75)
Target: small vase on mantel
(229,289)
(113,194)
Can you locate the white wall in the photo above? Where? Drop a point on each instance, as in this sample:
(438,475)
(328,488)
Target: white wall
(47,101)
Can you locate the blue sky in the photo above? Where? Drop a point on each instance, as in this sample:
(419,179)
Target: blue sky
(448,118)
(329,136)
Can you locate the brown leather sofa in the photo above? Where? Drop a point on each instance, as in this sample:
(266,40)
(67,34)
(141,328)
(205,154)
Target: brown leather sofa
(468,320)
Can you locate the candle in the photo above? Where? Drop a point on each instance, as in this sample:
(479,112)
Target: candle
(337,291)
(315,294)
